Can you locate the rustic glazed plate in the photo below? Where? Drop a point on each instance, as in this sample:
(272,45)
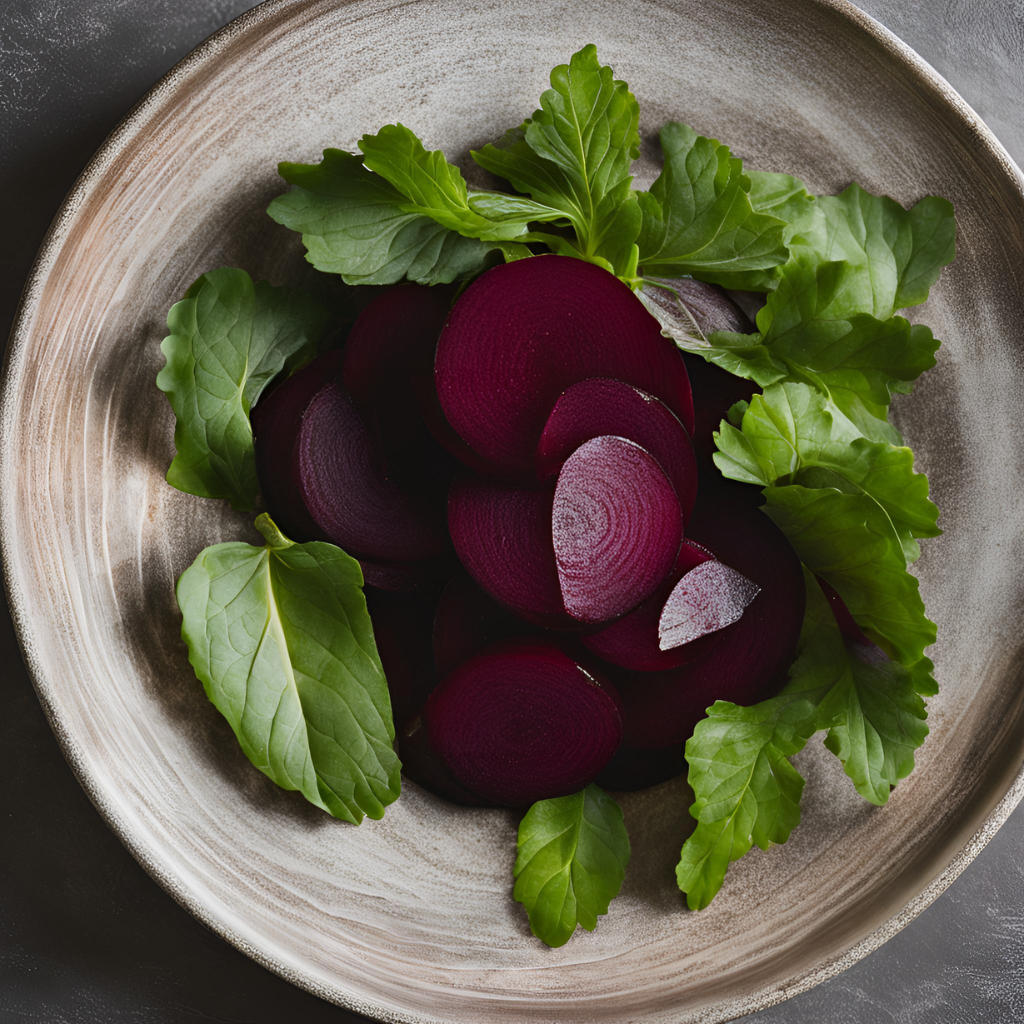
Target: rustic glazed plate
(410,918)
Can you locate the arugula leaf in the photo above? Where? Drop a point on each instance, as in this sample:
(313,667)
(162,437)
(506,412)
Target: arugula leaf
(804,335)
(281,640)
(573,852)
(746,790)
(790,435)
(435,188)
(357,224)
(849,540)
(898,253)
(229,338)
(782,196)
(573,157)
(697,216)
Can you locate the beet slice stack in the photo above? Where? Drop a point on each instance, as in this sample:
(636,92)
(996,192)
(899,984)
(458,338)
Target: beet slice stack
(521,723)
(524,332)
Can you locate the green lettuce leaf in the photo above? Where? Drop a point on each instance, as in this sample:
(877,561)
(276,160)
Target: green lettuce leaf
(573,158)
(573,852)
(697,216)
(229,338)
(281,640)
(791,435)
(804,335)
(849,541)
(357,224)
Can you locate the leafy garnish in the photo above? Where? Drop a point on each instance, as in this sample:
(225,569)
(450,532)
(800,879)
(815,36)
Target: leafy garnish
(697,216)
(357,224)
(229,338)
(573,158)
(281,640)
(790,434)
(747,791)
(573,852)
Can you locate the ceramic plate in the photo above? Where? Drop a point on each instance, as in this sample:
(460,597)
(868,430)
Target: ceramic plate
(410,918)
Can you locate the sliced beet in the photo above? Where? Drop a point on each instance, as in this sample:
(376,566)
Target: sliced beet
(632,768)
(708,598)
(601,406)
(466,621)
(632,642)
(715,391)
(525,331)
(616,528)
(425,766)
(749,661)
(402,628)
(502,535)
(275,425)
(524,722)
(340,479)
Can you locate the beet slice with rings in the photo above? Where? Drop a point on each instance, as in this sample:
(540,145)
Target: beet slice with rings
(275,425)
(750,659)
(525,331)
(632,642)
(341,481)
(425,766)
(601,406)
(524,722)
(708,598)
(616,528)
(466,621)
(502,535)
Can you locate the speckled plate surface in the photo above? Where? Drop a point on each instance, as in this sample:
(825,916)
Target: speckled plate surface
(410,919)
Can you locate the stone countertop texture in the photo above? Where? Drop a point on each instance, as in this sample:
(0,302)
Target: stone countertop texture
(86,937)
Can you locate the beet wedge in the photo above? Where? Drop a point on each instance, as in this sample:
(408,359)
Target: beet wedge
(708,598)
(524,722)
(340,480)
(616,528)
(502,535)
(525,331)
(275,426)
(632,642)
(600,406)
(750,658)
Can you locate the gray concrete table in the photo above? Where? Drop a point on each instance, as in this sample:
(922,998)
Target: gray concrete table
(85,935)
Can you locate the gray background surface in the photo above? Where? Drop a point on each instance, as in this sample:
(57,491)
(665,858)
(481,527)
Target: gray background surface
(85,935)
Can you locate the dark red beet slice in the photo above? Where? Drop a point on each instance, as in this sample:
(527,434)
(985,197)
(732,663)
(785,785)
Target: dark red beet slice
(601,406)
(341,481)
(524,332)
(707,599)
(402,628)
(424,765)
(466,621)
(502,535)
(616,528)
(524,722)
(275,424)
(632,768)
(632,641)
(751,657)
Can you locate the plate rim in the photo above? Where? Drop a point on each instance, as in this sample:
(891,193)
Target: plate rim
(15,356)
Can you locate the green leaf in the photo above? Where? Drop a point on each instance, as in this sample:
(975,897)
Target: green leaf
(573,157)
(791,435)
(229,338)
(745,787)
(804,336)
(898,254)
(849,540)
(357,224)
(698,218)
(782,196)
(281,640)
(436,189)
(573,852)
